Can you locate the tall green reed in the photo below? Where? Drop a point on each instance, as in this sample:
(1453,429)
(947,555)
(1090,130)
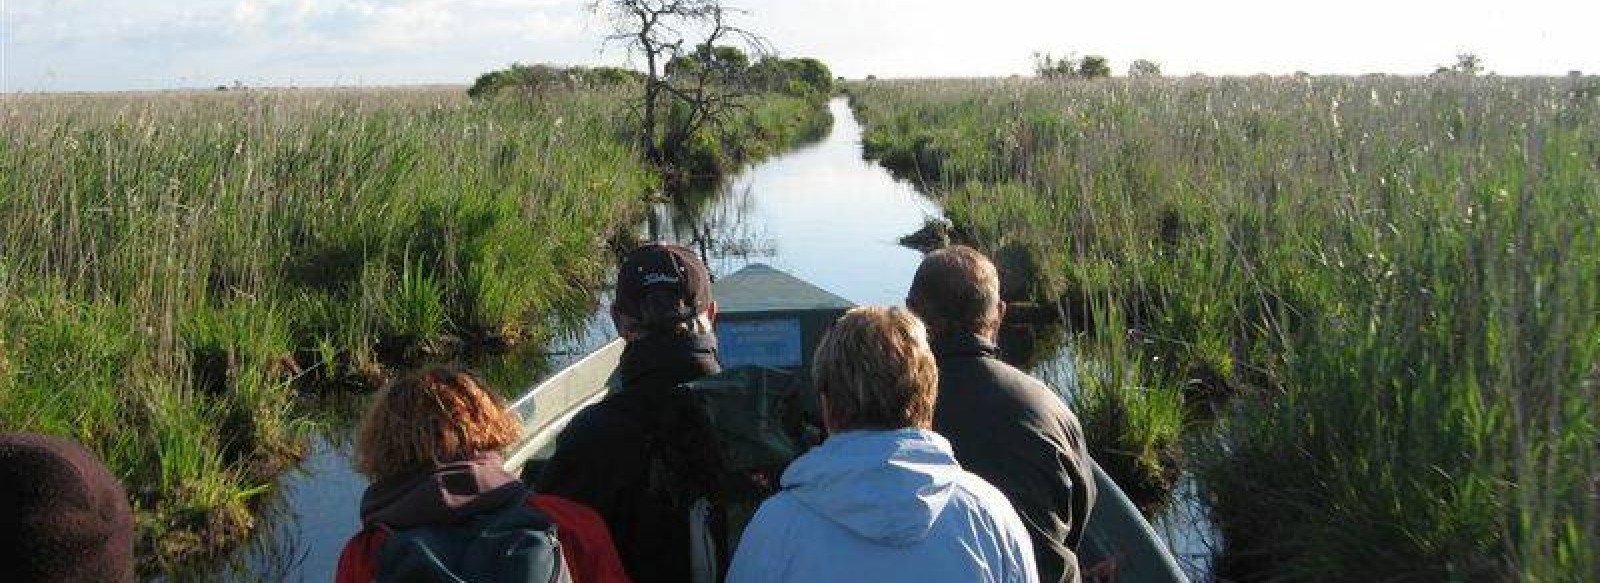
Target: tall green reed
(173,264)
(1397,275)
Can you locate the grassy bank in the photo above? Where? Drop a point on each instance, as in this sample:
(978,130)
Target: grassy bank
(175,266)
(1400,278)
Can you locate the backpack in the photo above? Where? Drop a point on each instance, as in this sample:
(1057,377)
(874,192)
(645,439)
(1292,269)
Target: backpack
(721,451)
(513,544)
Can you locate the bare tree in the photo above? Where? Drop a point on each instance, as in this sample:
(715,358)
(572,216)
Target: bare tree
(659,31)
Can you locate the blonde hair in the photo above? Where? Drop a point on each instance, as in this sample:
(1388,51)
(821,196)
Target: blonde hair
(957,289)
(876,371)
(426,418)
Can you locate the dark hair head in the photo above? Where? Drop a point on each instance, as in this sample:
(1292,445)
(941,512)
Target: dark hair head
(956,289)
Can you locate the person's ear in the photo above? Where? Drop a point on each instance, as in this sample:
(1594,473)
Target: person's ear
(711,312)
(999,321)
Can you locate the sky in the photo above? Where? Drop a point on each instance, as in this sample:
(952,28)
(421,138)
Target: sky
(105,45)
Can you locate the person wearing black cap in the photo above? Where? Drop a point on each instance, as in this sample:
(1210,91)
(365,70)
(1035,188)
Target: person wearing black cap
(613,455)
(63,516)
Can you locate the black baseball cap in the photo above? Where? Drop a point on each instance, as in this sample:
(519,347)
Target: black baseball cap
(662,284)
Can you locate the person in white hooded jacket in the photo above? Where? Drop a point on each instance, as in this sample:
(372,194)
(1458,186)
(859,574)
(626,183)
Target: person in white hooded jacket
(882,499)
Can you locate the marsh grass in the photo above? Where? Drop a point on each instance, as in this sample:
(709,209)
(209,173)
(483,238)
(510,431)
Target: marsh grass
(1132,411)
(175,264)
(175,267)
(1399,279)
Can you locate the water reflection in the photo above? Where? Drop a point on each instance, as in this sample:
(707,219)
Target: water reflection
(716,223)
(1187,527)
(820,212)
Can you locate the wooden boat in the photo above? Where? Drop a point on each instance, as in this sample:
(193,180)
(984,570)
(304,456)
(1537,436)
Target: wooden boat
(771,318)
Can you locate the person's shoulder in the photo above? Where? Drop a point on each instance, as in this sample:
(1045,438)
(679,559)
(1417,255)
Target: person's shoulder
(777,524)
(1007,373)
(781,508)
(358,559)
(979,492)
(771,540)
(602,422)
(1035,392)
(561,509)
(985,498)
(990,509)
(783,516)
(605,412)
(587,538)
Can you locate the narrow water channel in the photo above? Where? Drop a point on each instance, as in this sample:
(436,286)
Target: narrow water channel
(820,212)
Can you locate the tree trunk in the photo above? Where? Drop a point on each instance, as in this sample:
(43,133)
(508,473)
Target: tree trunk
(647,129)
(652,92)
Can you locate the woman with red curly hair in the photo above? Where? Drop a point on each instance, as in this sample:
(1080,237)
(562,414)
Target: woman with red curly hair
(431,445)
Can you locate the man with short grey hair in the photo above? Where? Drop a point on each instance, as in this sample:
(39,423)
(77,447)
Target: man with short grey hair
(1004,425)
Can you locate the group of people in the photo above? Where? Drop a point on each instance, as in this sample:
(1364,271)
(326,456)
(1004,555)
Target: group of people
(940,461)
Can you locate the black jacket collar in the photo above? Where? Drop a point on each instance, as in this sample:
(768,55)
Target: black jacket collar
(667,360)
(963,344)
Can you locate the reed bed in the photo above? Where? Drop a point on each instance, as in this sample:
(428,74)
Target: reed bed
(1397,278)
(176,268)
(173,266)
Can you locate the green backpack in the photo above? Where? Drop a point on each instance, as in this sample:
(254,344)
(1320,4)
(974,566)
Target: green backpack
(514,544)
(742,427)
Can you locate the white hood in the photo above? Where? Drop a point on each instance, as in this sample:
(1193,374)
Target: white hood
(889,487)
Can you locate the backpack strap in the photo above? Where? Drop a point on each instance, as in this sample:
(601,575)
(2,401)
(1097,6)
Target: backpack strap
(704,556)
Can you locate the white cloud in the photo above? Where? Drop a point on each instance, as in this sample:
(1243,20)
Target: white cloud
(546,26)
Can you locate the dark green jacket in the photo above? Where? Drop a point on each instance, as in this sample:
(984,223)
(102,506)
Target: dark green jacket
(1013,431)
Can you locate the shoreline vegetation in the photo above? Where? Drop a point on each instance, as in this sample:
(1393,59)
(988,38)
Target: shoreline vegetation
(1370,307)
(179,271)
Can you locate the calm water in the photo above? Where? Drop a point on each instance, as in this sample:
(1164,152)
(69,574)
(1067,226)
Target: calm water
(820,212)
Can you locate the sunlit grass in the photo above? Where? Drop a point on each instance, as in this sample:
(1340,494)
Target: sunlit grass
(1399,277)
(172,263)
(174,266)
